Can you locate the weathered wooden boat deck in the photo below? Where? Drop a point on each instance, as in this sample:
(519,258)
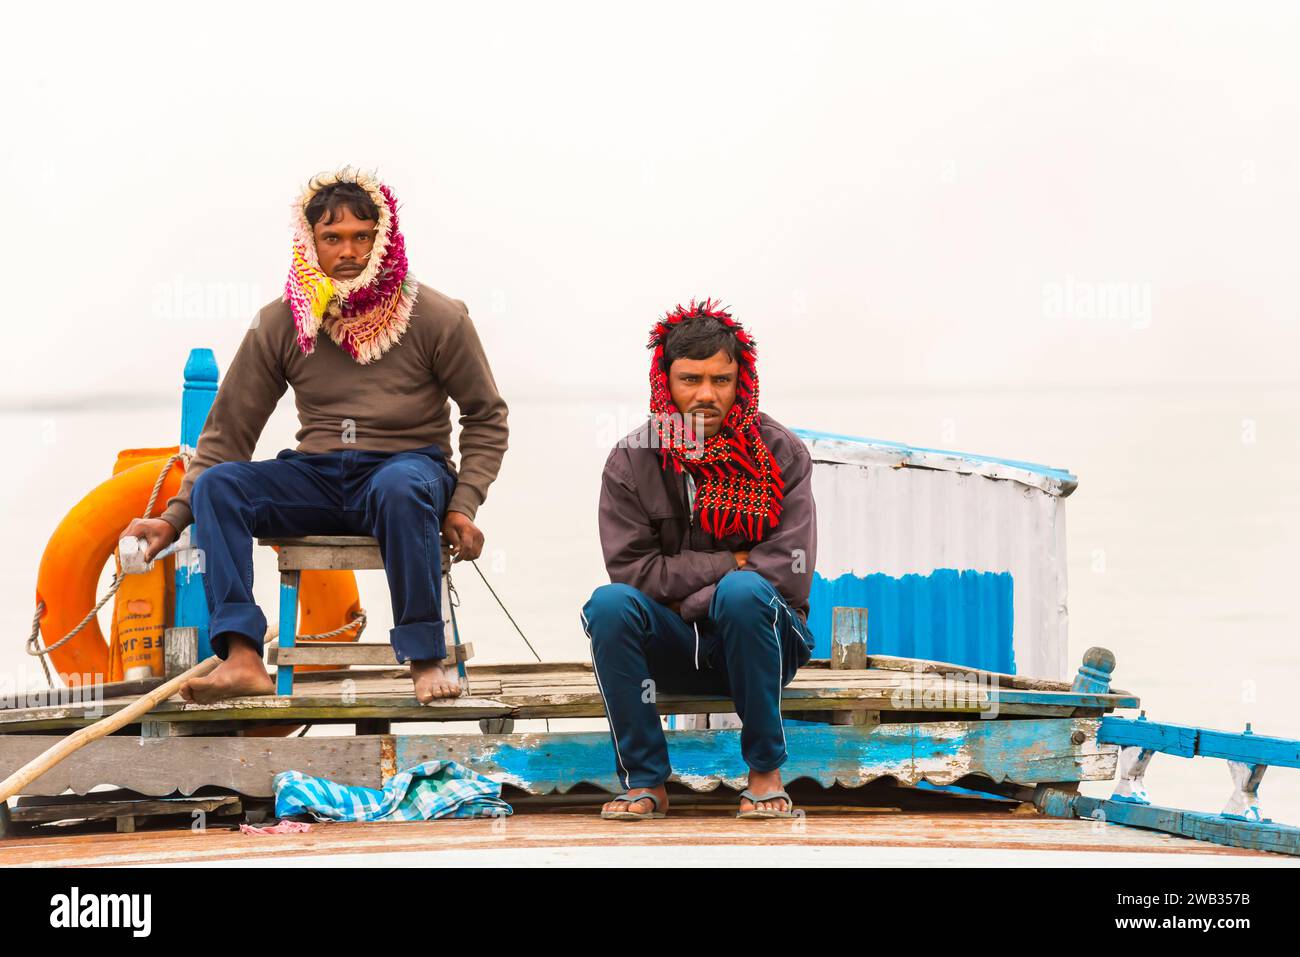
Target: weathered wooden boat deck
(893,722)
(568,690)
(904,719)
(861,836)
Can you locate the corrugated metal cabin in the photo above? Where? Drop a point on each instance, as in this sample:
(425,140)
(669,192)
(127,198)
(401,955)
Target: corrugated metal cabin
(956,557)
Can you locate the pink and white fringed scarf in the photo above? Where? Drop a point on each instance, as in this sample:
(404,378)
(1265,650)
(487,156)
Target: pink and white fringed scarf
(367,315)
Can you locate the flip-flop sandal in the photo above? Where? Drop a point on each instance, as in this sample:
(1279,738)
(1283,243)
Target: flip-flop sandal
(756,813)
(652,815)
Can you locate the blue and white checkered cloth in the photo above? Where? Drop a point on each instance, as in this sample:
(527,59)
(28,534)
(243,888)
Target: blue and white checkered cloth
(427,791)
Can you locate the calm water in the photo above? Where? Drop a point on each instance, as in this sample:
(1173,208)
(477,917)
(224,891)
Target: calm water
(1182,533)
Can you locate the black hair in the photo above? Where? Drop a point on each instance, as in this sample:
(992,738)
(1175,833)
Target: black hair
(338,196)
(699,337)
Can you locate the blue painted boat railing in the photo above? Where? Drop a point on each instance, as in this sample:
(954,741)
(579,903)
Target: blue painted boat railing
(1240,824)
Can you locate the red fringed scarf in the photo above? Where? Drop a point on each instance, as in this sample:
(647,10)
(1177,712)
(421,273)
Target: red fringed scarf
(738,486)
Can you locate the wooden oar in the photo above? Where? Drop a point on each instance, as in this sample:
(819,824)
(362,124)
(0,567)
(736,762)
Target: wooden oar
(47,759)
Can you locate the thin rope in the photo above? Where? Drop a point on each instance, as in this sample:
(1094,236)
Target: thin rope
(358,622)
(508,615)
(507,611)
(453,600)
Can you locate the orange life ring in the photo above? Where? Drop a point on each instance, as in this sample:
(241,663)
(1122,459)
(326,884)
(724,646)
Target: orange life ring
(87,538)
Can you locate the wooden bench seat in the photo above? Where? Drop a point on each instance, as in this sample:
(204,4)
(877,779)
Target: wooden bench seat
(336,553)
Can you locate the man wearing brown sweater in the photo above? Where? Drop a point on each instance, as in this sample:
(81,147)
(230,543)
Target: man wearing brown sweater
(374,450)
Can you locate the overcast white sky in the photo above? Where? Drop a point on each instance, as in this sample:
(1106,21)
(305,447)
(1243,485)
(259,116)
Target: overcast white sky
(890,196)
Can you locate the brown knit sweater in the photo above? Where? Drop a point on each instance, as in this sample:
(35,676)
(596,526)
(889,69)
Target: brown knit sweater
(398,402)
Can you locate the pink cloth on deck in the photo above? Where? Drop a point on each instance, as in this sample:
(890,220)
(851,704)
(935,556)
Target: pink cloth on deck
(284,827)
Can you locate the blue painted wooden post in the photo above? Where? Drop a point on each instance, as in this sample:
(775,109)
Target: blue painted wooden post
(288,627)
(197,396)
(1094,673)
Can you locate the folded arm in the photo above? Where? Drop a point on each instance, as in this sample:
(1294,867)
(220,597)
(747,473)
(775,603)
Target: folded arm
(631,548)
(787,553)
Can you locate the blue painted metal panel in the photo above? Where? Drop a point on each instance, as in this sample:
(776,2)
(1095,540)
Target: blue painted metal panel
(965,617)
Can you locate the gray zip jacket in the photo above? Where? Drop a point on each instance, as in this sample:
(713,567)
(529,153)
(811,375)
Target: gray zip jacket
(651,542)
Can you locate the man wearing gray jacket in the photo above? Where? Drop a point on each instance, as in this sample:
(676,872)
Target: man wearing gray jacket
(708,529)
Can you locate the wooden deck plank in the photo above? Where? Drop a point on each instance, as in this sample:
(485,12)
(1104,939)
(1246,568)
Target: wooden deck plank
(572,692)
(352,653)
(677,836)
(939,752)
(1023,682)
(1258,835)
(105,810)
(160,766)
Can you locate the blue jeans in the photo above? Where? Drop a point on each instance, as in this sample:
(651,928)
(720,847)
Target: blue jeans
(399,498)
(747,648)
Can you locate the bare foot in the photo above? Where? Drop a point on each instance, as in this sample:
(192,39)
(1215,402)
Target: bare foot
(642,806)
(764,782)
(432,680)
(241,674)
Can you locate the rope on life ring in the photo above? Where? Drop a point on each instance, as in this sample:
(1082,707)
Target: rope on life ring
(35,648)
